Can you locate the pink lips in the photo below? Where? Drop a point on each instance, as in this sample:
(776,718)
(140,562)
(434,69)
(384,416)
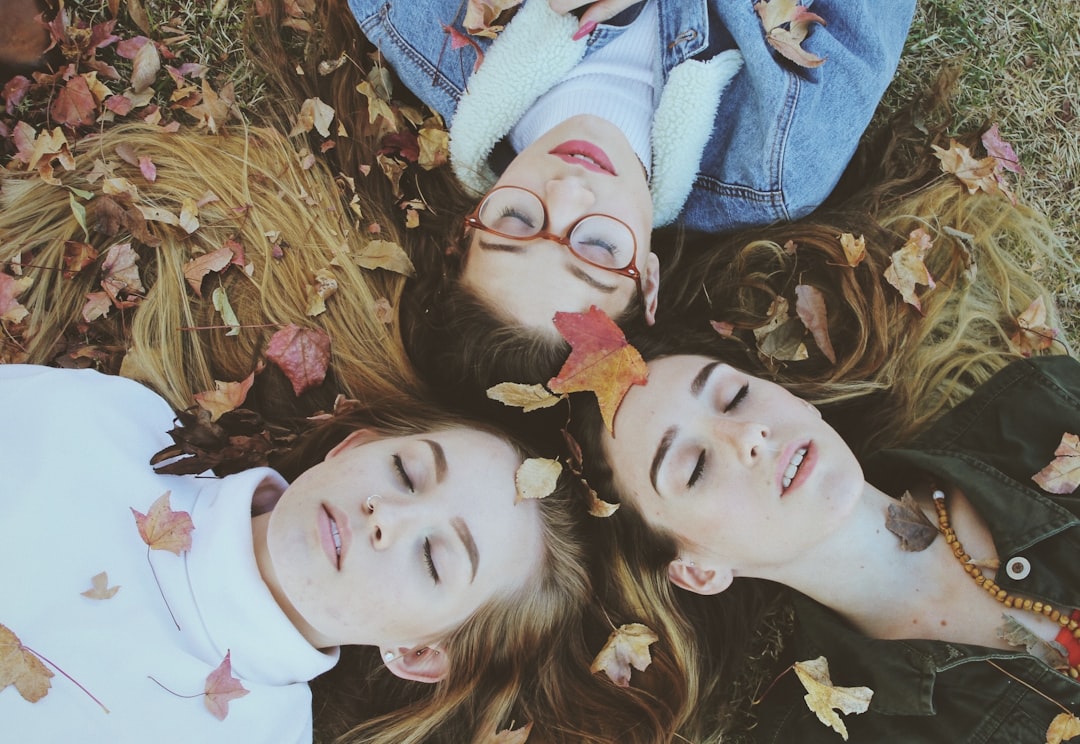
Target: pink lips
(805,467)
(585,154)
(330,519)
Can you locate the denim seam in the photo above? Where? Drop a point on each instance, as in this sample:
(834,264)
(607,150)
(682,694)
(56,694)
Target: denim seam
(392,36)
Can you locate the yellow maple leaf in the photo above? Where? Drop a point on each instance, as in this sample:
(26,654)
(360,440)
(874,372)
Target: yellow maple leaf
(825,699)
(907,269)
(626,647)
(1064,727)
(526,397)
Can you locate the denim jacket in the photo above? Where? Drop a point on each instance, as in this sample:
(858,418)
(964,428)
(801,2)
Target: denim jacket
(769,146)
(933,691)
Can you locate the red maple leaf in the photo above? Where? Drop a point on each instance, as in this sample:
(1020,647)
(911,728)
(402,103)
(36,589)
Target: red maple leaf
(303,354)
(601,361)
(221,687)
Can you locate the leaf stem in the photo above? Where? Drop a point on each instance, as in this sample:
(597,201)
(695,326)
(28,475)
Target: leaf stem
(772,684)
(160,590)
(1040,693)
(70,678)
(173,692)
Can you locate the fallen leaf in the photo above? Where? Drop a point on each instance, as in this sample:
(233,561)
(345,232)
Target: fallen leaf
(74,105)
(1064,727)
(313,114)
(189,215)
(601,360)
(908,522)
(138,15)
(197,268)
(786,26)
(226,396)
(526,397)
(215,108)
(854,249)
(725,329)
(1032,332)
(384,311)
(509,736)
(480,16)
(1051,652)
(220,299)
(97,306)
(784,342)
(434,143)
(385,254)
(164,529)
(377,105)
(459,40)
(536,478)
(907,269)
(976,174)
(323,285)
(100,588)
(20,667)
(145,67)
(626,647)
(825,699)
(597,506)
(1062,475)
(10,289)
(120,274)
(221,687)
(303,354)
(810,307)
(965,244)
(1001,151)
(147,168)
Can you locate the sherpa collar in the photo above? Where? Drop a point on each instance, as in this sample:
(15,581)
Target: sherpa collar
(533,54)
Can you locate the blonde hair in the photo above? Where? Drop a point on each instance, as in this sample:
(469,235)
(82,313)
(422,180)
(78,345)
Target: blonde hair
(292,226)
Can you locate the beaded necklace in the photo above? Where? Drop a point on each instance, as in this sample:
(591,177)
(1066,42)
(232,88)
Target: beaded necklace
(995,591)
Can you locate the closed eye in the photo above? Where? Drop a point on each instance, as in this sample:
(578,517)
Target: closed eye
(402,474)
(699,468)
(428,560)
(739,397)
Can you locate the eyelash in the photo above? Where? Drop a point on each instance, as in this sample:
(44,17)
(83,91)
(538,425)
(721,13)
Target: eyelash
(699,468)
(739,397)
(405,480)
(430,563)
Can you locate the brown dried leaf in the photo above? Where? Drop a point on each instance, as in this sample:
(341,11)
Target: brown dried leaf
(10,289)
(385,254)
(480,16)
(323,285)
(138,15)
(226,396)
(785,342)
(384,311)
(908,522)
(526,397)
(313,114)
(907,269)
(434,145)
(1032,332)
(854,249)
(100,588)
(1064,727)
(508,736)
(1051,652)
(810,307)
(20,667)
(197,268)
(597,506)
(774,14)
(536,478)
(74,105)
(164,529)
(626,647)
(825,699)
(120,275)
(976,174)
(1062,475)
(145,67)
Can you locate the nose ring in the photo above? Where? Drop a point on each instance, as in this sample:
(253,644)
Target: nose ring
(370,502)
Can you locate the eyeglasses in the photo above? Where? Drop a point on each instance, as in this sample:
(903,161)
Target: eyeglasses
(599,240)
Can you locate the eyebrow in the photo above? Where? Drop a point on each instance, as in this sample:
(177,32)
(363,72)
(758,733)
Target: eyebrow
(463,532)
(503,247)
(696,386)
(440,459)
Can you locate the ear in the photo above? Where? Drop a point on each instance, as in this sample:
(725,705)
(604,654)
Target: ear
(699,579)
(423,664)
(360,436)
(650,286)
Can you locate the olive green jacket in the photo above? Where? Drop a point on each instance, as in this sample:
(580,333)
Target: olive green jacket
(949,693)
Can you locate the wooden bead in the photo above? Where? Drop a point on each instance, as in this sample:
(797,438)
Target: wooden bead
(1037,607)
(1055,616)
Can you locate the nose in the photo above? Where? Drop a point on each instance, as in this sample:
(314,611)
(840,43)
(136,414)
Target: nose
(568,199)
(747,439)
(387,523)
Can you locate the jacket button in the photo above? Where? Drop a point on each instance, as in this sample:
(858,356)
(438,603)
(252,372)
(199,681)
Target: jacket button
(685,36)
(1018,568)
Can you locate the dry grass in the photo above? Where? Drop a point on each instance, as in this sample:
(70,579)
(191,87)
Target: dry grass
(1020,68)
